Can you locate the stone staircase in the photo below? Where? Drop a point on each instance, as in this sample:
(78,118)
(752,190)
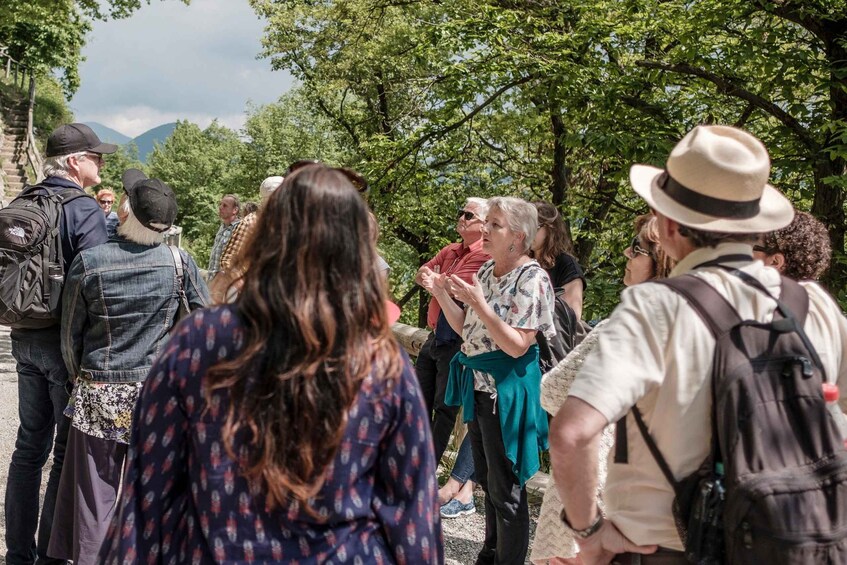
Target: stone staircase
(12,155)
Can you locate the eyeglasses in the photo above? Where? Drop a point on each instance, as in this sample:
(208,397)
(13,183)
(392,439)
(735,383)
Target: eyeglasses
(636,249)
(356,179)
(109,202)
(466,214)
(95,158)
(765,250)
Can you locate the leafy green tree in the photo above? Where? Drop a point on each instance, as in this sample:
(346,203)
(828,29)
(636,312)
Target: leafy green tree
(283,132)
(201,166)
(110,174)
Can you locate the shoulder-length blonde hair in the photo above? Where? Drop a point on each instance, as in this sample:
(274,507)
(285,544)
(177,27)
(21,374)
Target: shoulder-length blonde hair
(647,228)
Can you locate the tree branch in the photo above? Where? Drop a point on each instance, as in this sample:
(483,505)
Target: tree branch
(727,86)
(455,125)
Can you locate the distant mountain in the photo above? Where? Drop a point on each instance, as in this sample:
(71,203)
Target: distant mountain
(147,140)
(107,134)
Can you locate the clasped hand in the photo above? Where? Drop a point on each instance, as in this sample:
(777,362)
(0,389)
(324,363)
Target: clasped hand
(451,286)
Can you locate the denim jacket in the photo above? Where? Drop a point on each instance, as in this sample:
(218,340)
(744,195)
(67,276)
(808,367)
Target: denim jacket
(119,304)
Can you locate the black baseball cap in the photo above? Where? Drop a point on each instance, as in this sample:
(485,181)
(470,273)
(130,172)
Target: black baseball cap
(71,138)
(152,201)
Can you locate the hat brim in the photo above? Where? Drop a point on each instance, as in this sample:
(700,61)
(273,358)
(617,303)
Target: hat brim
(131,177)
(775,210)
(104,148)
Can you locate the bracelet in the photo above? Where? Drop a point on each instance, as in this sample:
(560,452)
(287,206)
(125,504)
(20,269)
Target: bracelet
(586,532)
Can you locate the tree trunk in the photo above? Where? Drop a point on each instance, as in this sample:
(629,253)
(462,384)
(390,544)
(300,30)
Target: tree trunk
(598,210)
(828,203)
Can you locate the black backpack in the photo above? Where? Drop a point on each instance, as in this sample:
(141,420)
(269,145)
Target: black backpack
(774,487)
(570,331)
(32,271)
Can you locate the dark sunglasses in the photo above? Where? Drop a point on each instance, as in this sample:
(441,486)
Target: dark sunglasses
(636,248)
(356,179)
(467,214)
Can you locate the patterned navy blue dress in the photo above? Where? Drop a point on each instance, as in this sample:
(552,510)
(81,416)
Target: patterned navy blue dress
(185,502)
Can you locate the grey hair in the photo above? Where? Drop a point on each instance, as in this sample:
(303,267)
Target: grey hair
(134,230)
(703,238)
(57,166)
(521,216)
(481,206)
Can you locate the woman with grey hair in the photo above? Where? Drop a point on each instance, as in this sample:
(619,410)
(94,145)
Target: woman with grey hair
(496,376)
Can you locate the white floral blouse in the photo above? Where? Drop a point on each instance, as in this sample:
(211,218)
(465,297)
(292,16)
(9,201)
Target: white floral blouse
(523,298)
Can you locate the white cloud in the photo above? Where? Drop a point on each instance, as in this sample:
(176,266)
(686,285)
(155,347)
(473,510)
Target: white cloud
(135,120)
(170,61)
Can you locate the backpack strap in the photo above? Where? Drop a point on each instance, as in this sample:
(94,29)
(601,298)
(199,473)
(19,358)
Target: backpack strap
(69,194)
(717,313)
(719,316)
(180,277)
(793,305)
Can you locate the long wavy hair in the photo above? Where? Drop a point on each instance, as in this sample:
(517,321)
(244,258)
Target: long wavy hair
(315,327)
(558,240)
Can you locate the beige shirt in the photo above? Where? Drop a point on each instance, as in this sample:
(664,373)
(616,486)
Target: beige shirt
(657,351)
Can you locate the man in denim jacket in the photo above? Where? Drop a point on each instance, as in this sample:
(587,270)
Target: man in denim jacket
(121,301)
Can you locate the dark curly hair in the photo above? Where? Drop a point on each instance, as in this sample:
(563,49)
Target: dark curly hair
(805,245)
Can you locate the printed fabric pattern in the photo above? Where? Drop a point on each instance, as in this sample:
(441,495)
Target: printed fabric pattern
(185,501)
(103,410)
(525,305)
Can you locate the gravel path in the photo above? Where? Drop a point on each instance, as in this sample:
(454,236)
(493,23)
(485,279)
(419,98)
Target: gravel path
(462,536)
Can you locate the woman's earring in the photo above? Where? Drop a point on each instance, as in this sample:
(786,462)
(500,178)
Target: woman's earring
(512,248)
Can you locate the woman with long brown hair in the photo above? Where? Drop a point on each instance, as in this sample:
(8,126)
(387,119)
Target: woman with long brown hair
(553,249)
(288,425)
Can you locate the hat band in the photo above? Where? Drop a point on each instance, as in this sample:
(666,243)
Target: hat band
(707,205)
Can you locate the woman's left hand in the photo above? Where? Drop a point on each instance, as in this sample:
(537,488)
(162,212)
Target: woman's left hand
(470,294)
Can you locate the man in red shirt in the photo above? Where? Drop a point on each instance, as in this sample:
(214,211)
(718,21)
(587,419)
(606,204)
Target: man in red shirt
(433,365)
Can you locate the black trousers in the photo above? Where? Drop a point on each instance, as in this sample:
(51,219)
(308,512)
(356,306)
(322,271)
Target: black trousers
(433,368)
(506,508)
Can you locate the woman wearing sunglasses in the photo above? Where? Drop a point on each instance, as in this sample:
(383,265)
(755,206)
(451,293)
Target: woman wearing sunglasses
(645,260)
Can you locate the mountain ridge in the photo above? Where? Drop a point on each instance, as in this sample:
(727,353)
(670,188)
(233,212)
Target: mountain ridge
(145,142)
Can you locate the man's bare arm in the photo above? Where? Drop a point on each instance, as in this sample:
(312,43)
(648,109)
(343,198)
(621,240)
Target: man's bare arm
(574,454)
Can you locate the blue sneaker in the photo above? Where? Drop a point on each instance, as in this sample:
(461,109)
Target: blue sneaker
(454,509)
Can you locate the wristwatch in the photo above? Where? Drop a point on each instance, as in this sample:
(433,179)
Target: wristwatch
(586,532)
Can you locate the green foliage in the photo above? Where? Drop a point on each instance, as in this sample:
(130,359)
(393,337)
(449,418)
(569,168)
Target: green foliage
(442,99)
(51,110)
(281,133)
(125,158)
(201,166)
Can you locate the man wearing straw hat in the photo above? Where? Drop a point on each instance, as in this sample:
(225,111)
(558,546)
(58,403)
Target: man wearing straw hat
(656,352)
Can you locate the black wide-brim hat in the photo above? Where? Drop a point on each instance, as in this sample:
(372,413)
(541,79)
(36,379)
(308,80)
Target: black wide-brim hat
(152,201)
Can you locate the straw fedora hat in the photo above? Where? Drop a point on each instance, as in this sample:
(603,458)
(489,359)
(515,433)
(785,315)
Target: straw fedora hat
(715,179)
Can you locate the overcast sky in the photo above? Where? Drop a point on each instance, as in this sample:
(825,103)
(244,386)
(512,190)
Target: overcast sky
(170,61)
